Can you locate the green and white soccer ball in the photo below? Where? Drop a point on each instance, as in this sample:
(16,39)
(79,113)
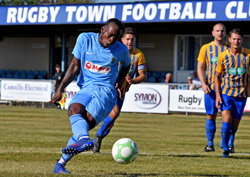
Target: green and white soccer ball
(124,151)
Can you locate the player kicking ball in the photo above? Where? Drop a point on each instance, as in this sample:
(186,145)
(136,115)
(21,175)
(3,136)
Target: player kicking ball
(138,64)
(96,57)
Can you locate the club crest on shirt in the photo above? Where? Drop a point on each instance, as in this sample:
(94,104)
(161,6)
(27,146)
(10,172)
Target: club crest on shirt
(113,60)
(243,62)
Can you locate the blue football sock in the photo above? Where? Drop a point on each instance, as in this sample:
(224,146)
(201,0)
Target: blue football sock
(65,158)
(210,131)
(79,125)
(106,133)
(107,122)
(232,137)
(225,134)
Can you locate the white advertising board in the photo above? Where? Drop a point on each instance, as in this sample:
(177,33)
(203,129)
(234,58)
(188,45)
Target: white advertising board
(71,90)
(247,107)
(15,90)
(147,98)
(186,101)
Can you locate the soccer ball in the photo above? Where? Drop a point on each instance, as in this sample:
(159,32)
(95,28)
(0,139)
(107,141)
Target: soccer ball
(124,151)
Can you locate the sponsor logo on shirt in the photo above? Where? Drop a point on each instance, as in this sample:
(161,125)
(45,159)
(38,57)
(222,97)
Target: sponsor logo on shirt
(234,71)
(97,68)
(241,70)
(214,59)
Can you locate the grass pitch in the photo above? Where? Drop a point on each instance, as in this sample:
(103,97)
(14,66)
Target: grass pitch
(169,145)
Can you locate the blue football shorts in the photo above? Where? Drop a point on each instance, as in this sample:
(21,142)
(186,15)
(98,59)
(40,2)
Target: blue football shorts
(210,103)
(235,104)
(98,100)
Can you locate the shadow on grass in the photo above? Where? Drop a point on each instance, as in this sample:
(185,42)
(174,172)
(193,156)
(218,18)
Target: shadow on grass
(163,174)
(175,155)
(236,156)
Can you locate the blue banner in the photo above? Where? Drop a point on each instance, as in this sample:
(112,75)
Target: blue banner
(189,11)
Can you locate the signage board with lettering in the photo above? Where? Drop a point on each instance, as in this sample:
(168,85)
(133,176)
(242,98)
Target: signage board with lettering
(138,12)
(39,91)
(186,101)
(147,98)
(71,90)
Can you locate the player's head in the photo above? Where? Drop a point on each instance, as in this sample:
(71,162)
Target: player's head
(219,32)
(236,38)
(111,32)
(128,38)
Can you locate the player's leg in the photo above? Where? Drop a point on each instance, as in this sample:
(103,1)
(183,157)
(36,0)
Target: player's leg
(238,109)
(60,165)
(80,129)
(80,123)
(106,126)
(234,128)
(225,131)
(226,112)
(210,132)
(108,121)
(211,111)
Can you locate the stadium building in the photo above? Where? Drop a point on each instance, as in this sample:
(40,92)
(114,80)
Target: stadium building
(170,33)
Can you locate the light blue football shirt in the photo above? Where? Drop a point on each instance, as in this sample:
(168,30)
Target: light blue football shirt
(99,65)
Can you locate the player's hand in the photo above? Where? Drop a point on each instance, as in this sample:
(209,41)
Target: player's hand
(119,91)
(206,89)
(218,102)
(56,97)
(128,79)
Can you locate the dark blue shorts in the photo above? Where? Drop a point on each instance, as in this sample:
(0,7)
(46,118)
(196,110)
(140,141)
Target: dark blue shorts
(210,103)
(235,104)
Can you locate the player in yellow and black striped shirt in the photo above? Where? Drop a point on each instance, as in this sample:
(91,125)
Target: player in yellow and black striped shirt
(232,92)
(138,65)
(208,57)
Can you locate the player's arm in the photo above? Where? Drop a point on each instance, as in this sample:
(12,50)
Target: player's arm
(142,71)
(120,79)
(69,76)
(141,78)
(121,76)
(201,75)
(217,82)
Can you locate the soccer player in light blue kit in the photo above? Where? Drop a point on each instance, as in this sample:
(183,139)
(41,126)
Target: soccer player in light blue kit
(96,56)
(138,65)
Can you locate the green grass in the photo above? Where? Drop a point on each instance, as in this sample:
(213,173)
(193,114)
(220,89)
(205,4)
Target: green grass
(169,145)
